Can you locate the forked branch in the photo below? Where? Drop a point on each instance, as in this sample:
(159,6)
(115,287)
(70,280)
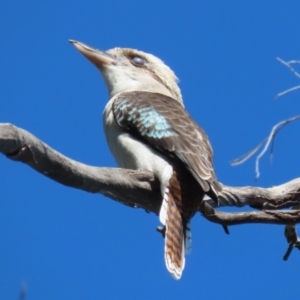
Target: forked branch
(141,189)
(268,142)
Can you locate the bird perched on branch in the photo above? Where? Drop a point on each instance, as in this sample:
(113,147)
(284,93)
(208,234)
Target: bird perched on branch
(147,128)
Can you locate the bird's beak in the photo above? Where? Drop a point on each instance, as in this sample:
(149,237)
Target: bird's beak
(99,58)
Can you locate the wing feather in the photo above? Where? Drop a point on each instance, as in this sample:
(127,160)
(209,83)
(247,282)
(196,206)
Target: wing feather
(164,124)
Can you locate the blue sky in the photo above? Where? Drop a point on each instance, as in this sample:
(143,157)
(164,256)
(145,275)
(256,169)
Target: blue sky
(68,244)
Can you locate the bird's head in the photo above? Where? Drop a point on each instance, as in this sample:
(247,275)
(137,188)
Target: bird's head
(127,69)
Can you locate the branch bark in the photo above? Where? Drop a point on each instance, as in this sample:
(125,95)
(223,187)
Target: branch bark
(141,189)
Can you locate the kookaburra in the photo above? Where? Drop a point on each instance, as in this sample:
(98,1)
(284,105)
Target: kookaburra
(147,128)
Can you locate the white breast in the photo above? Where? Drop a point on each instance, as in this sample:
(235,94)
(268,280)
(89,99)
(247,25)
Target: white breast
(130,153)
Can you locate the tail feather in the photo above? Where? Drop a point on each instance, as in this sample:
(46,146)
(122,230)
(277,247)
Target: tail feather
(182,195)
(174,240)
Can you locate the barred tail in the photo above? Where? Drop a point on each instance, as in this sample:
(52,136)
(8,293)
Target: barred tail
(181,197)
(174,240)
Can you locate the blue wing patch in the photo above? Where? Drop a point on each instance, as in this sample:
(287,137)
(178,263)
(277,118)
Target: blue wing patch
(162,123)
(145,119)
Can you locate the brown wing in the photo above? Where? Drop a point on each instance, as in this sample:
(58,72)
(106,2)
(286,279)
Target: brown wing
(164,124)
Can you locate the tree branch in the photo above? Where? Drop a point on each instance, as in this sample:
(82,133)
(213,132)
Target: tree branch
(133,188)
(268,142)
(141,189)
(289,64)
(290,229)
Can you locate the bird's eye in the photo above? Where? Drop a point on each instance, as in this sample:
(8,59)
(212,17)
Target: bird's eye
(138,61)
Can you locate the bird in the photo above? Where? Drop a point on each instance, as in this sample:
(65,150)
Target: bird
(148,128)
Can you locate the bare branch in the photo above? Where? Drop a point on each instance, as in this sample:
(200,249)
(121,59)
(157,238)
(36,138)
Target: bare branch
(287,91)
(266,142)
(290,229)
(240,160)
(265,217)
(271,138)
(289,64)
(291,61)
(141,189)
(130,187)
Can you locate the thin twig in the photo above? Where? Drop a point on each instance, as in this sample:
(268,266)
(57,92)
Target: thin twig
(287,91)
(245,157)
(288,64)
(266,142)
(271,139)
